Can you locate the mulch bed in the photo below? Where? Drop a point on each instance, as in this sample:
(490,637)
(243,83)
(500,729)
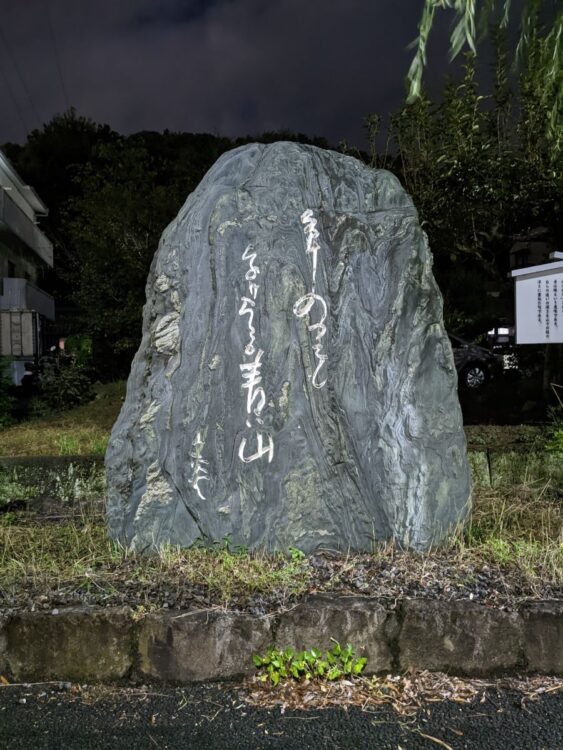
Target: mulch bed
(407,694)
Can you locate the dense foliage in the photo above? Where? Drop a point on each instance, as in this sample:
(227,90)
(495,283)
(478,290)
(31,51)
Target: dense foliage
(476,19)
(482,172)
(7,400)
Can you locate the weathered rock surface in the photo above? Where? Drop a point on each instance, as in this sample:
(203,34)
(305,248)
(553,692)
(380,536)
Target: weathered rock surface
(460,637)
(198,646)
(362,621)
(294,385)
(73,644)
(104,643)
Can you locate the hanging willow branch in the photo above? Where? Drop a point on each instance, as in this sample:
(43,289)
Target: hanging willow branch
(472,14)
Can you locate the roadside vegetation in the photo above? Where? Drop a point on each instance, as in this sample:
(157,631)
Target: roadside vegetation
(510,550)
(81,431)
(54,549)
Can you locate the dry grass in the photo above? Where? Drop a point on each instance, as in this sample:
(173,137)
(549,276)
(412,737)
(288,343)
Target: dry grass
(518,526)
(511,550)
(80,431)
(407,694)
(78,556)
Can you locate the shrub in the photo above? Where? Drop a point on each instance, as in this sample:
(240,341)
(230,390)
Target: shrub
(7,399)
(64,382)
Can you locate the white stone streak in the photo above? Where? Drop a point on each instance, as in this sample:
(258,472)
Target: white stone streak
(166,335)
(251,376)
(305,304)
(198,464)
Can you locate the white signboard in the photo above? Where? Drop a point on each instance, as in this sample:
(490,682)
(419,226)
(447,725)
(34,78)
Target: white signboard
(539,304)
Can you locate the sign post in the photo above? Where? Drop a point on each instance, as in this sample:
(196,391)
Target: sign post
(539,302)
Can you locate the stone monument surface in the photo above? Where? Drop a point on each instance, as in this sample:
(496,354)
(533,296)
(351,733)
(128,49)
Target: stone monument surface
(294,385)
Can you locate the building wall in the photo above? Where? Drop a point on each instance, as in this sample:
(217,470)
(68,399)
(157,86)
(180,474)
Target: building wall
(19,264)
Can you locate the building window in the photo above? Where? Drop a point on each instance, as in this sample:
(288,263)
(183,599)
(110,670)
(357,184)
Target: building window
(11,270)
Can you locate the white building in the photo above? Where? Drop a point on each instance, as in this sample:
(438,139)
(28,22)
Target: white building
(25,255)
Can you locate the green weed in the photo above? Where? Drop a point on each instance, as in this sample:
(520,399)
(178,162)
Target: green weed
(338,662)
(13,489)
(68,445)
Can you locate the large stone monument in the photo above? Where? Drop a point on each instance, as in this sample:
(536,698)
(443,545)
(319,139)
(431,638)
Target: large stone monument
(294,385)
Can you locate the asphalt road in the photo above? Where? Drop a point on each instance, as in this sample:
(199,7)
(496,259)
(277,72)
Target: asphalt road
(211,716)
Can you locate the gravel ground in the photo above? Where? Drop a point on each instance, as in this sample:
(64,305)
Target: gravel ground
(391,578)
(66,717)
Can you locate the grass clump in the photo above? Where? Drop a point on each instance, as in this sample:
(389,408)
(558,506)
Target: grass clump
(83,430)
(13,489)
(79,555)
(47,555)
(518,526)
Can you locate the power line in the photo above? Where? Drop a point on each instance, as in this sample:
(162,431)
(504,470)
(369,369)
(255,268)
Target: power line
(56,53)
(16,68)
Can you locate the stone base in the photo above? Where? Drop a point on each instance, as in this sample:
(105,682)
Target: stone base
(464,638)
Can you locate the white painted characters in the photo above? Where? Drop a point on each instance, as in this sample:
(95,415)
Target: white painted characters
(261,449)
(250,370)
(255,396)
(311,235)
(307,302)
(303,307)
(199,473)
(249,302)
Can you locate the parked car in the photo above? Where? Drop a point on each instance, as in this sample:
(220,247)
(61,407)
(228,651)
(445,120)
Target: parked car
(502,340)
(475,364)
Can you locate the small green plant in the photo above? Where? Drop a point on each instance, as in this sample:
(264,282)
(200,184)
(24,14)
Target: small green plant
(8,519)
(99,445)
(75,484)
(555,444)
(68,445)
(309,664)
(13,489)
(37,408)
(296,554)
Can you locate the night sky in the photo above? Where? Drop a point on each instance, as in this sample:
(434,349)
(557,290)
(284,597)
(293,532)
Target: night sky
(228,67)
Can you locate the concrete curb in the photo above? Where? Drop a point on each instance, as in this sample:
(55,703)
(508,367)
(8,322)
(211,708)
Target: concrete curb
(105,645)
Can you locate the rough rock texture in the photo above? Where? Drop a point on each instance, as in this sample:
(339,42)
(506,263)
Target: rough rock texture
(543,634)
(74,644)
(362,621)
(198,646)
(460,637)
(101,643)
(294,385)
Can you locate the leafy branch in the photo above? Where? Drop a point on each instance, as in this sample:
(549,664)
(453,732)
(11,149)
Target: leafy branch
(472,14)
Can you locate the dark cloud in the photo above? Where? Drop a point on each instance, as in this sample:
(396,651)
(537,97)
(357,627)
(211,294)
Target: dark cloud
(173,13)
(226,66)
